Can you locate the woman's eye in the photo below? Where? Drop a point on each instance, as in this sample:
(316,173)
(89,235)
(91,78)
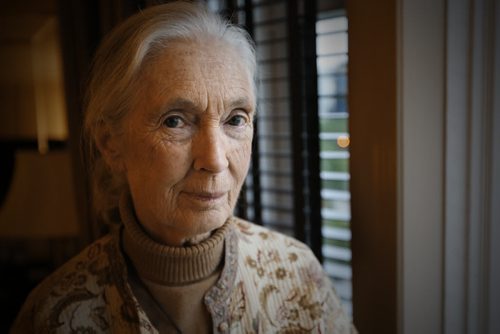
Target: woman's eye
(173,122)
(237,120)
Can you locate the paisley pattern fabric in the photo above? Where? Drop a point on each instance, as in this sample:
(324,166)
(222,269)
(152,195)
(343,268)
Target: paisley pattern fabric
(270,283)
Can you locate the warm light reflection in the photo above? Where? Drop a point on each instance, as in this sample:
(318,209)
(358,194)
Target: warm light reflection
(32,95)
(343,141)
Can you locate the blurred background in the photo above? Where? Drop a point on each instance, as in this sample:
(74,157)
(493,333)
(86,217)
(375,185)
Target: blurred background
(376,143)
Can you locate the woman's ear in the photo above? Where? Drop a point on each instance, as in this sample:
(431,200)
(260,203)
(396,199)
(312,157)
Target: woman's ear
(109,146)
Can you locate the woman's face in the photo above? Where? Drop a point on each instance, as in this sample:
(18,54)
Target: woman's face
(186,143)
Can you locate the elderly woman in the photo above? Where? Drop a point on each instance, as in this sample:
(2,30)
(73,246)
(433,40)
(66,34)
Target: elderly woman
(169,118)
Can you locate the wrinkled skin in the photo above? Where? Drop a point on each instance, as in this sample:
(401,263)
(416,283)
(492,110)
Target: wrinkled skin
(185,146)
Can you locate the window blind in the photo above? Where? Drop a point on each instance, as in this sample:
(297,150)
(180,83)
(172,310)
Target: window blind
(331,29)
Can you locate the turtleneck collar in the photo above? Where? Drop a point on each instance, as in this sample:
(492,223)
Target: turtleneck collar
(166,264)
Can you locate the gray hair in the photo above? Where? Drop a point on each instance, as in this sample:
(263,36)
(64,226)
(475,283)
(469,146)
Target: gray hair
(117,66)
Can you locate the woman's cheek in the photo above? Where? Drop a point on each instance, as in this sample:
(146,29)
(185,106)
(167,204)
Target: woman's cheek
(242,157)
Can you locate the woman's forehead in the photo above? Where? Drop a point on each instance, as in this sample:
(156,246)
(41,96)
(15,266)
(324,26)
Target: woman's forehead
(189,72)
(216,57)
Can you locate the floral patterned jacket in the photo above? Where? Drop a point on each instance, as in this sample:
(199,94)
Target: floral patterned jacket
(270,283)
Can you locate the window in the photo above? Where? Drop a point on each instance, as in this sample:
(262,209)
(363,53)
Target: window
(299,180)
(331,30)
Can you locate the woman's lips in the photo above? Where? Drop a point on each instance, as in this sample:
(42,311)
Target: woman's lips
(206,196)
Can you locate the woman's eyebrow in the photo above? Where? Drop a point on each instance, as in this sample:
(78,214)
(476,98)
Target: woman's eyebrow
(181,103)
(184,104)
(240,102)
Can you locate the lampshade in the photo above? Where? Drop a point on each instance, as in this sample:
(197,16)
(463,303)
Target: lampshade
(40,202)
(32,103)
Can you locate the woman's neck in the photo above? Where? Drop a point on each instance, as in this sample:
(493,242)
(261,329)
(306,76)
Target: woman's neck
(198,259)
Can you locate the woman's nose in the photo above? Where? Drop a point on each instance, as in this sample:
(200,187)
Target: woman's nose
(209,150)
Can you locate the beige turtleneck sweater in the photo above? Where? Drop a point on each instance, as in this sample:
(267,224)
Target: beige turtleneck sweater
(170,282)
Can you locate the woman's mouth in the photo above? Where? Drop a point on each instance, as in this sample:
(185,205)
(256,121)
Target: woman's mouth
(206,196)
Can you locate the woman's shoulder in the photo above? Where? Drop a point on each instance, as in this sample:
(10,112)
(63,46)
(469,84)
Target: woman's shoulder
(81,279)
(76,272)
(262,244)
(276,266)
(254,234)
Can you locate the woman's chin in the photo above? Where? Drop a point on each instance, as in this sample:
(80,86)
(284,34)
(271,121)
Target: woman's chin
(203,224)
(196,239)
